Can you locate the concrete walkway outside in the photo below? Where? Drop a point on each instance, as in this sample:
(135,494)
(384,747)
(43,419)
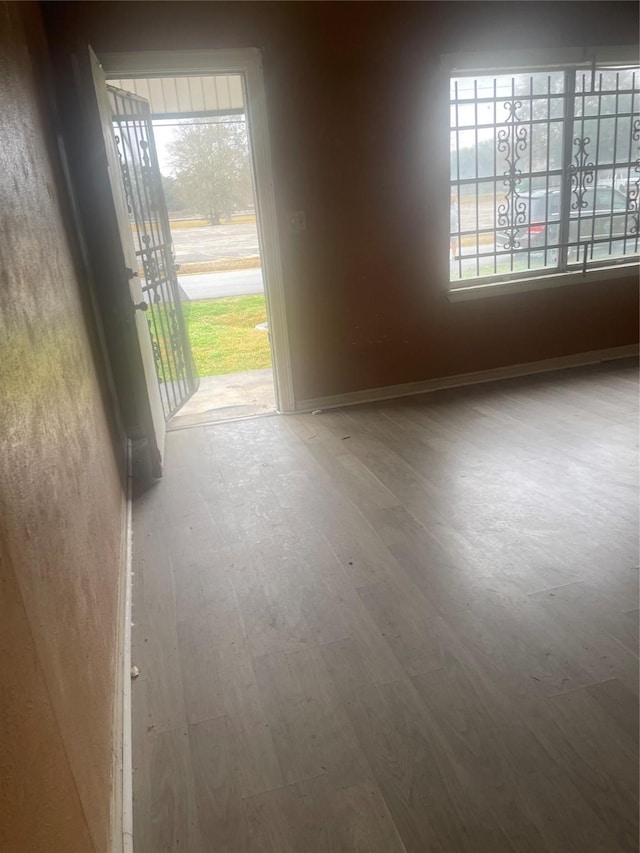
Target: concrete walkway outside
(234,395)
(214,242)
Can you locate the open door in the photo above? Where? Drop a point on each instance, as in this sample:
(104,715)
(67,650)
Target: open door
(147,209)
(127,282)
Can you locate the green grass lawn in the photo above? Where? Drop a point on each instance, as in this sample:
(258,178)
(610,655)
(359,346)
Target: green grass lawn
(223,334)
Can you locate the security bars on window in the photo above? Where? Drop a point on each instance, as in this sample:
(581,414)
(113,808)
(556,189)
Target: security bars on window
(545,172)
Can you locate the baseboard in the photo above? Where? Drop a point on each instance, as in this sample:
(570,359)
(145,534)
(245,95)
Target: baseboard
(409,389)
(122,789)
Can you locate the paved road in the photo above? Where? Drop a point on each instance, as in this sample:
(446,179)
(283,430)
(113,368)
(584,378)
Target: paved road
(213,242)
(212,285)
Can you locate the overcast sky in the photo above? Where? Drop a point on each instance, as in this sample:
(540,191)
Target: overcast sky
(163,134)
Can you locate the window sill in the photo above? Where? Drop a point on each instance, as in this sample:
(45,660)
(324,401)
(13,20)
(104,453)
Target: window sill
(523,285)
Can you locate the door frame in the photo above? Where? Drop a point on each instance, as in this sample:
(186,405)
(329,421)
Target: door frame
(248,63)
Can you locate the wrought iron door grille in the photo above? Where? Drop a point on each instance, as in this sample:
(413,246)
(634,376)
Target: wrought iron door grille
(545,172)
(154,248)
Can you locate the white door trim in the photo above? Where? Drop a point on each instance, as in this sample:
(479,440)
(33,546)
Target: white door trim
(248,63)
(122,786)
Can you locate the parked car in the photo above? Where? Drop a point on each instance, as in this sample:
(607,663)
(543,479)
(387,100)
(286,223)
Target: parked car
(604,215)
(626,185)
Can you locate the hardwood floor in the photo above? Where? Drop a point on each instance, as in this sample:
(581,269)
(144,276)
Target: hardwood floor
(404,627)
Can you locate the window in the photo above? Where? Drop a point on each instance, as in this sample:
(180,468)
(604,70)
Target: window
(545,168)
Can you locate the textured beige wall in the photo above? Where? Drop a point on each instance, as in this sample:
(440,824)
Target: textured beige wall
(61,495)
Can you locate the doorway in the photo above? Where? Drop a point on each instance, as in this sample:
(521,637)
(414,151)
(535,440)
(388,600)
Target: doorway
(209,107)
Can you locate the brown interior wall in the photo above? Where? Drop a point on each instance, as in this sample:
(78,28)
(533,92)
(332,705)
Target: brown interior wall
(61,497)
(358,122)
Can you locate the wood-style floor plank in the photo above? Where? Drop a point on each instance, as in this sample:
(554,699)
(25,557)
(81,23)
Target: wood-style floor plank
(408,627)
(300,700)
(165,807)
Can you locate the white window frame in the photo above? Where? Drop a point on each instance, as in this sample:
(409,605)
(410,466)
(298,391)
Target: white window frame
(248,63)
(527,60)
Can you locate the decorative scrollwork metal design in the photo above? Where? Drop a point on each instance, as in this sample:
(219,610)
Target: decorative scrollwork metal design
(126,177)
(581,173)
(157,353)
(152,235)
(176,343)
(144,148)
(633,196)
(150,176)
(152,272)
(513,142)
